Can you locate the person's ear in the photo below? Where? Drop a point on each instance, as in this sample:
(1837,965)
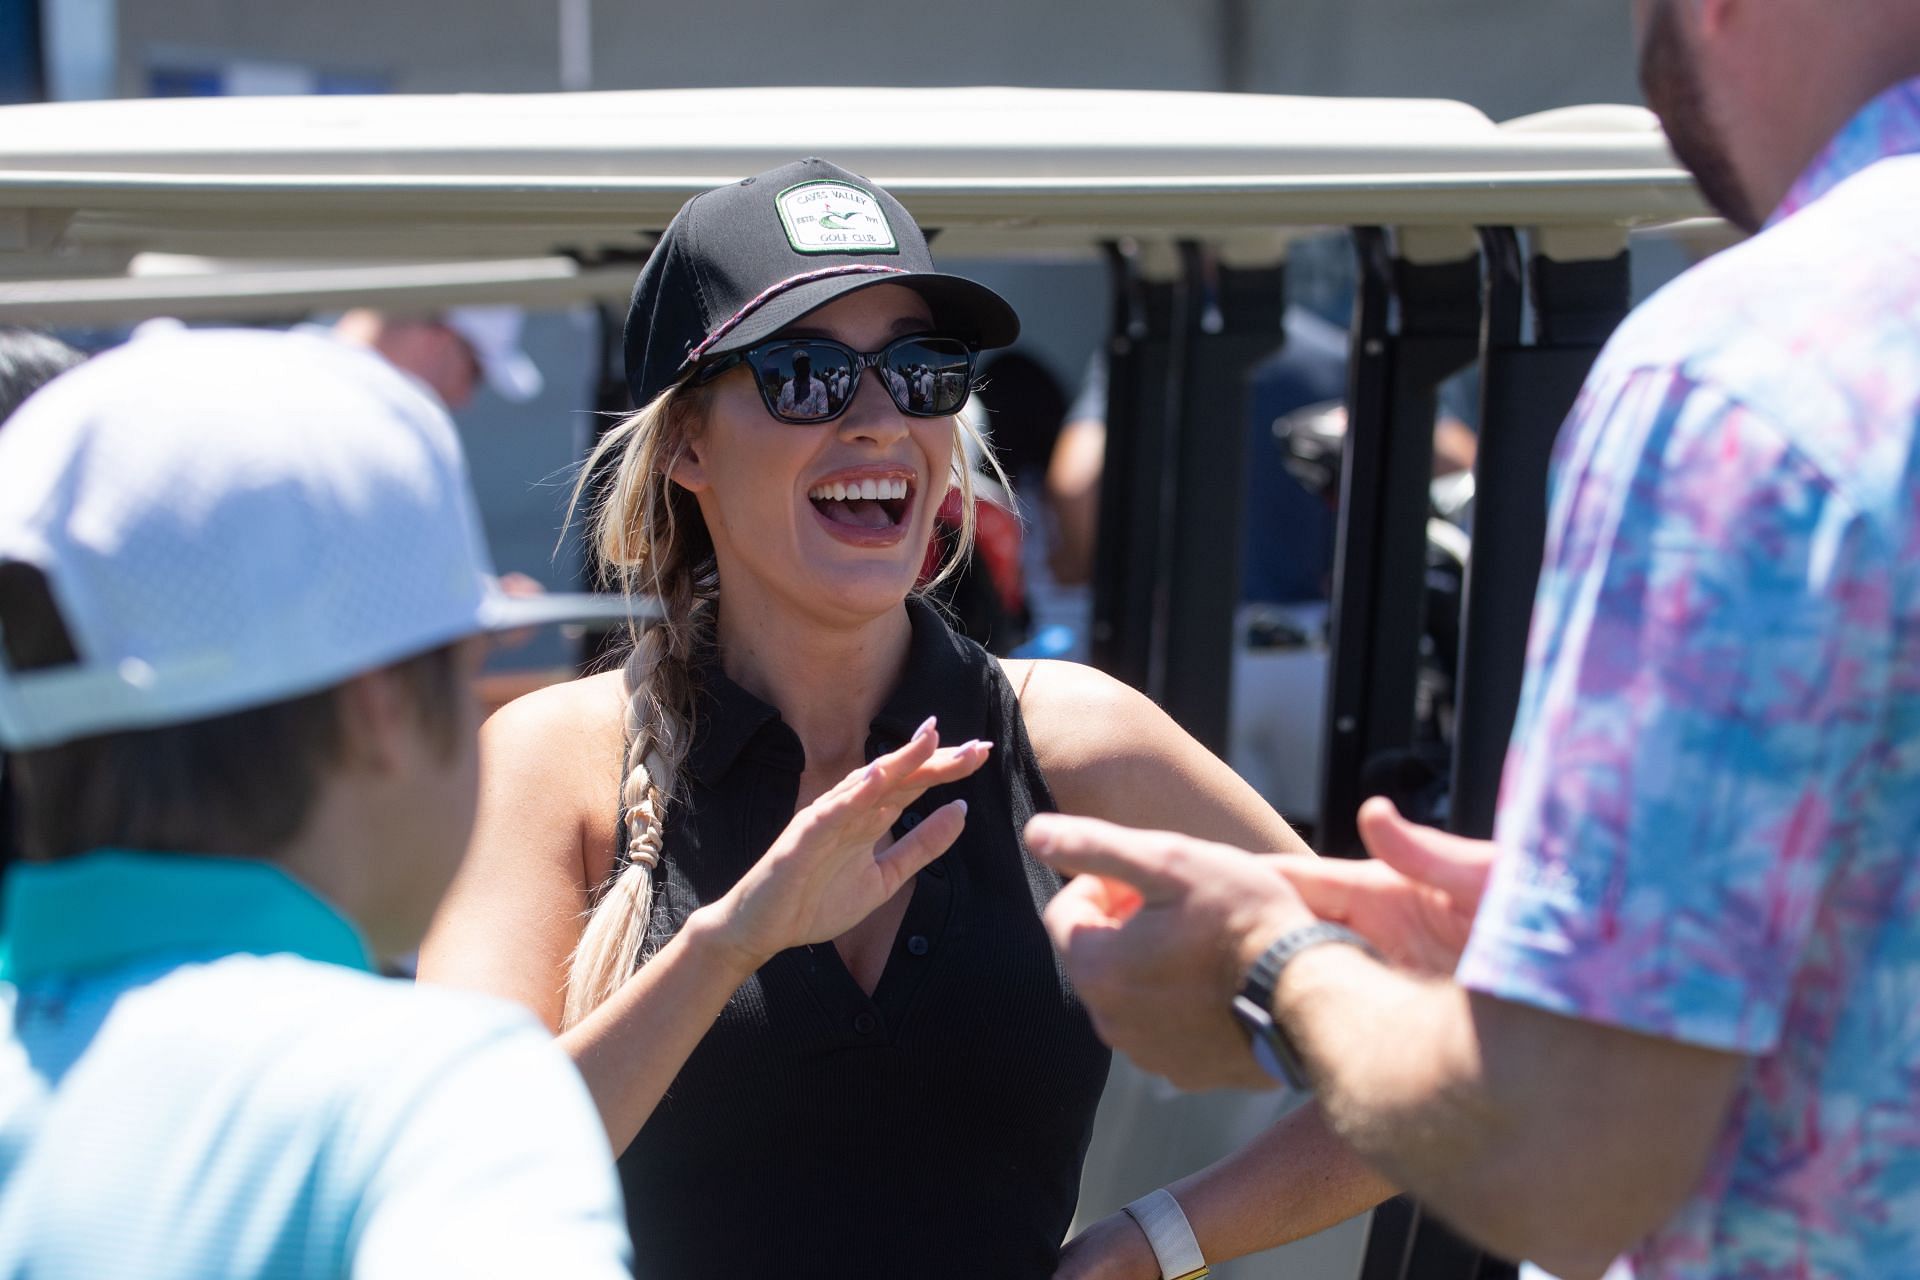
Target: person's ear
(376,722)
(1714,16)
(689,471)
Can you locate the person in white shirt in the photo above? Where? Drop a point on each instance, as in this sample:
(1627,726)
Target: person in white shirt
(242,591)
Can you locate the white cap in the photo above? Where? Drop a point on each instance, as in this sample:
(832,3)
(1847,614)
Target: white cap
(227,519)
(494,335)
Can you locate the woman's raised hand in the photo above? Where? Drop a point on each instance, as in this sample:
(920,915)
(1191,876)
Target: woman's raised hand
(834,865)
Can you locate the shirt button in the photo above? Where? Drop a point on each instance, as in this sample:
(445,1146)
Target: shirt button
(918,945)
(908,821)
(938,870)
(864,1024)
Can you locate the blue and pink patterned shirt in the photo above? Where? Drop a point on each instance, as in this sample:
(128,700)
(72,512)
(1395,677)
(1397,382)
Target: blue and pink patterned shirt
(1711,810)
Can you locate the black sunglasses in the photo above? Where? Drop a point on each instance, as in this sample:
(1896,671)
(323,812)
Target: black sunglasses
(809,380)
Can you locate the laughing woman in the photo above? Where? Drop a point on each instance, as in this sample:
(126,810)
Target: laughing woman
(792,941)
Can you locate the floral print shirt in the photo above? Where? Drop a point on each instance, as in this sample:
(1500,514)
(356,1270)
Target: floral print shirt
(1710,816)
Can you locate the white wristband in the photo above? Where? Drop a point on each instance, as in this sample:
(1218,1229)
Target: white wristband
(1167,1230)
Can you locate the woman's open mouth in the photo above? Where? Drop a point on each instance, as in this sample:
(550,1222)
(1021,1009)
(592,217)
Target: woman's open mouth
(866,511)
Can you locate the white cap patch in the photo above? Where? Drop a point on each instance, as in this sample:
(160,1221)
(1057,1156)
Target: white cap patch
(833,217)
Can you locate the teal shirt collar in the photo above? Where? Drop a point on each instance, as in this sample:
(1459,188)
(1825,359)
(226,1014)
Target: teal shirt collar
(112,907)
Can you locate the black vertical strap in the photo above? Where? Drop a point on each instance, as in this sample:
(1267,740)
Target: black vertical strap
(1379,612)
(1126,324)
(1235,319)
(1526,392)
(1380,559)
(1139,372)
(1355,558)
(1172,311)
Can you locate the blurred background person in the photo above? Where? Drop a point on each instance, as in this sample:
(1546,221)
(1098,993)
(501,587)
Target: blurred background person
(1024,410)
(452,351)
(29,360)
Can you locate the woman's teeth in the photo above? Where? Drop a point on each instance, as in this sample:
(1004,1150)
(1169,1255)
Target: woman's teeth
(871,490)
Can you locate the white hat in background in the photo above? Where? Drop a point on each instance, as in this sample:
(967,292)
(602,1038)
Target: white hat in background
(494,335)
(226,519)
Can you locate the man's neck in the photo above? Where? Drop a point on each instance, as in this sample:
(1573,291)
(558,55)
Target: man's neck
(1796,117)
(1797,142)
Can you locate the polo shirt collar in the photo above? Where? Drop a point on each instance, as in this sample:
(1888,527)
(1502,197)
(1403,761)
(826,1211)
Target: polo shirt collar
(112,907)
(938,680)
(1887,126)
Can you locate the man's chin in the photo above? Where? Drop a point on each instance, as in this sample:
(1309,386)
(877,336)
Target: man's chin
(1671,81)
(1719,186)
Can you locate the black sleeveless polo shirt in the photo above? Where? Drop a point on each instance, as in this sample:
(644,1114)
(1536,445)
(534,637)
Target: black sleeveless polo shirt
(934,1129)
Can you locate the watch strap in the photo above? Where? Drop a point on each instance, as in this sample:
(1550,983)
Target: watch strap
(1273,1048)
(1264,977)
(1160,1216)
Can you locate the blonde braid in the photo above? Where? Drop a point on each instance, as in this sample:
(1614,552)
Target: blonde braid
(650,539)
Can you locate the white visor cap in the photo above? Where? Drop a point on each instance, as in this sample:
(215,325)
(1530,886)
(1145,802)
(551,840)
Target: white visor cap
(493,335)
(227,519)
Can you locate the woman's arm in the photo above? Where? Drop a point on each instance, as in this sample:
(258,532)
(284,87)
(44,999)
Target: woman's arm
(543,834)
(516,910)
(1109,752)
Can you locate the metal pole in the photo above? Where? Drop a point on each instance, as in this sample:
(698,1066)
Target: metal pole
(576,45)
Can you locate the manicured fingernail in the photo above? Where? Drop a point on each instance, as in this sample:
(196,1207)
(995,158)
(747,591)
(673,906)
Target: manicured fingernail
(962,806)
(926,726)
(981,745)
(871,772)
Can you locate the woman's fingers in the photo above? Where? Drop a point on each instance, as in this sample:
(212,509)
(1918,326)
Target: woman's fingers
(889,769)
(868,801)
(949,764)
(904,858)
(899,778)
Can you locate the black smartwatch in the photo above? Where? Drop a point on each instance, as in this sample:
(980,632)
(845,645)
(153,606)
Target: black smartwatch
(1253,1007)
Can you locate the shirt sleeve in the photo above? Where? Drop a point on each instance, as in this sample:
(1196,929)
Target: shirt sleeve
(499,1169)
(1707,670)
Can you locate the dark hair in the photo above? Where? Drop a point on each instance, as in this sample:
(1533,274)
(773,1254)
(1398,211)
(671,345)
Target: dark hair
(28,361)
(241,784)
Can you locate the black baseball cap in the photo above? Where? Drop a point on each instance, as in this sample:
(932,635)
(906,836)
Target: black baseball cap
(741,262)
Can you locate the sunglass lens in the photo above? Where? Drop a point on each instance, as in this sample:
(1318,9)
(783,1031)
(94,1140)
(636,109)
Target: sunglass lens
(930,376)
(804,382)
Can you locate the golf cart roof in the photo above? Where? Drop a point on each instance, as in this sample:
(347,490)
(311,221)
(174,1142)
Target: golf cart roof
(997,171)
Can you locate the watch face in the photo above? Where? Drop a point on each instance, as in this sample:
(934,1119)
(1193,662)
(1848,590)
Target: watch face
(1269,1046)
(1263,1036)
(1269,1061)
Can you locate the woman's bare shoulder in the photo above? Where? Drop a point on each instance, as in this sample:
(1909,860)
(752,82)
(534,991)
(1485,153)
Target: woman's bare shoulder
(1079,717)
(561,742)
(1108,751)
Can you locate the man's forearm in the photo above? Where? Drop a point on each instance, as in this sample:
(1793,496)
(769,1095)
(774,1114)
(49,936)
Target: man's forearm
(1399,1076)
(1544,1137)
